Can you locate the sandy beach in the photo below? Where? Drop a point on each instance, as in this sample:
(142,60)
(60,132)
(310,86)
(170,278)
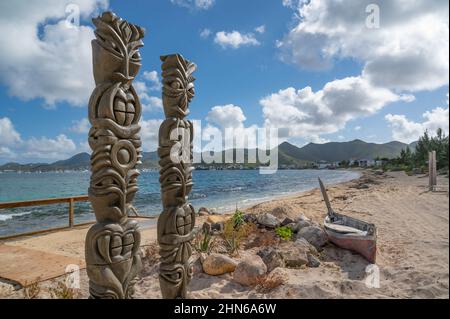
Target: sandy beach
(413,241)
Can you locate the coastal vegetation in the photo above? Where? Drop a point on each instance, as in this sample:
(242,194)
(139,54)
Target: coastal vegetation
(416,160)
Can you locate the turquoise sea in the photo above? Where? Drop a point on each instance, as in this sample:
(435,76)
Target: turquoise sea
(221,190)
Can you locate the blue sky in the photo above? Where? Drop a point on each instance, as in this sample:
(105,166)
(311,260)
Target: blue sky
(273,63)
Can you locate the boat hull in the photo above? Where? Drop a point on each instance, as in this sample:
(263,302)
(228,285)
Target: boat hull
(366,247)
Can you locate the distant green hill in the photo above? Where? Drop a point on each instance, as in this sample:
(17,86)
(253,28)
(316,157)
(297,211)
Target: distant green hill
(339,151)
(288,155)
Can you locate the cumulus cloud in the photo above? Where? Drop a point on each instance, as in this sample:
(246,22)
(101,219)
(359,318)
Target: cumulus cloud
(12,145)
(80,127)
(205,33)
(42,55)
(150,83)
(410,50)
(261,29)
(149,134)
(226,116)
(408,131)
(235,39)
(9,135)
(194,4)
(309,114)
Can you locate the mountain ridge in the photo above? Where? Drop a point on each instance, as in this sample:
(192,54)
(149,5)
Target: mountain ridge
(289,155)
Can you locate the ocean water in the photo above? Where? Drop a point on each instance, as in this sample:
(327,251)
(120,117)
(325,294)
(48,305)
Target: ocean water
(221,190)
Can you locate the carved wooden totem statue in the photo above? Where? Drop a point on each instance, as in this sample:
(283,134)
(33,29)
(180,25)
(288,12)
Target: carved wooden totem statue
(176,223)
(112,244)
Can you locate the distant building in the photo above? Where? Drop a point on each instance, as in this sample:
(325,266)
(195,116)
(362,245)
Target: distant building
(363,162)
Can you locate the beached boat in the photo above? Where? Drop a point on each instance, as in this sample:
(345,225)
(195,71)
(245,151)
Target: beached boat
(350,233)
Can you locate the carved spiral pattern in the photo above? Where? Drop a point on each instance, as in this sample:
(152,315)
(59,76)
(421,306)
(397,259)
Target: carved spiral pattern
(177,221)
(112,244)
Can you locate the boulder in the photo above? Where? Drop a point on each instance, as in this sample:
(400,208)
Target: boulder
(286,221)
(279,212)
(250,218)
(203,211)
(217,227)
(196,264)
(302,218)
(268,220)
(217,264)
(294,258)
(206,228)
(214,219)
(313,261)
(250,271)
(303,244)
(271,257)
(301,224)
(315,235)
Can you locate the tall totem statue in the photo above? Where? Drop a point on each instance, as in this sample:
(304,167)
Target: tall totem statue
(112,244)
(176,223)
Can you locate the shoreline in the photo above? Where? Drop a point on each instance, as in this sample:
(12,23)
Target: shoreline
(399,205)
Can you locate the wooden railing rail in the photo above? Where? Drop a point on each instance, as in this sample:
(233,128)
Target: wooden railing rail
(51,201)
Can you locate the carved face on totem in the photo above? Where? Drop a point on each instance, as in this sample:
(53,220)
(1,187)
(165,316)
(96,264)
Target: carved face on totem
(175,151)
(178,85)
(115,111)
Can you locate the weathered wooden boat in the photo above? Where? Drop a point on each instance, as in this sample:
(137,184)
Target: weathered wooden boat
(350,233)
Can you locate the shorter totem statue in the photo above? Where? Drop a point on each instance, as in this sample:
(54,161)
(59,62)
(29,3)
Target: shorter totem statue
(176,223)
(112,245)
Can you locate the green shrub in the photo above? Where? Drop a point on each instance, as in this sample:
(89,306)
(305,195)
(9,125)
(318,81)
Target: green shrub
(284,232)
(238,219)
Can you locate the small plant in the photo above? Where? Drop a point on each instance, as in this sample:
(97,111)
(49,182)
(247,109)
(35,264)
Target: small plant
(31,291)
(233,236)
(204,241)
(63,292)
(238,219)
(284,232)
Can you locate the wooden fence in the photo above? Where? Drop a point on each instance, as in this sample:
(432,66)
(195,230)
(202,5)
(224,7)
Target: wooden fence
(43,202)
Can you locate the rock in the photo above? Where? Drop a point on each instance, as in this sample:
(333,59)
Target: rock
(216,265)
(286,221)
(271,257)
(301,224)
(279,212)
(304,245)
(294,257)
(214,219)
(250,271)
(303,218)
(196,263)
(204,211)
(268,220)
(250,218)
(212,211)
(217,227)
(313,261)
(315,235)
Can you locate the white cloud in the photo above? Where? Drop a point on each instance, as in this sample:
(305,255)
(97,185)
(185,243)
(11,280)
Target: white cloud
(47,148)
(358,128)
(308,114)
(151,82)
(408,131)
(8,134)
(194,4)
(205,33)
(235,39)
(41,56)
(80,127)
(227,116)
(261,29)
(149,134)
(153,78)
(13,147)
(409,52)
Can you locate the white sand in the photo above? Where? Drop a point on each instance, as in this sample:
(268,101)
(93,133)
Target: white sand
(413,241)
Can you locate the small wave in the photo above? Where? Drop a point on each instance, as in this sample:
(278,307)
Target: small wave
(5,217)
